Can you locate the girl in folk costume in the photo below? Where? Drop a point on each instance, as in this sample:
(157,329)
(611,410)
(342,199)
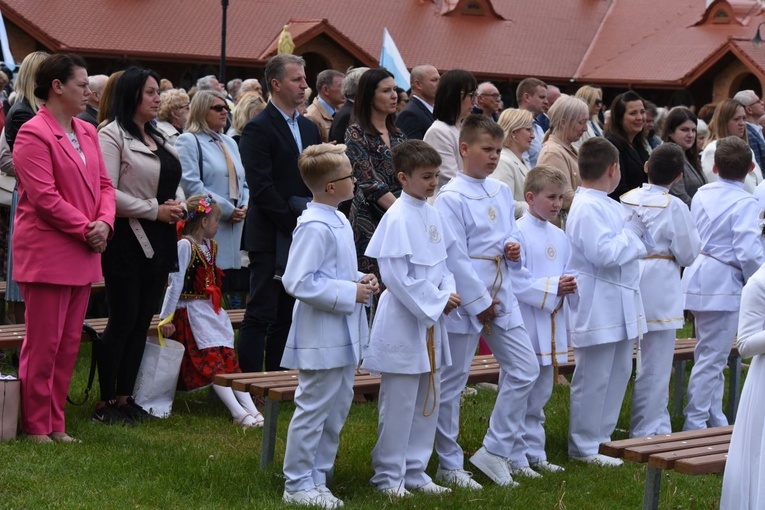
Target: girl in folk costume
(193,298)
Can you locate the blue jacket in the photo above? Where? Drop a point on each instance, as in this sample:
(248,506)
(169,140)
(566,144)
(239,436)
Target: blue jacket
(757,143)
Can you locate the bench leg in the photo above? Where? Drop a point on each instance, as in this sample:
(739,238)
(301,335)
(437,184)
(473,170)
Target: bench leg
(734,387)
(652,488)
(269,433)
(678,388)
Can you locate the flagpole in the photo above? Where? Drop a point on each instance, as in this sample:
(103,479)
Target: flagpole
(222,73)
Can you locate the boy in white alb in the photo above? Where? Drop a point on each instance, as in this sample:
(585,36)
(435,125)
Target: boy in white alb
(731,251)
(328,325)
(408,343)
(541,286)
(480,212)
(607,315)
(677,245)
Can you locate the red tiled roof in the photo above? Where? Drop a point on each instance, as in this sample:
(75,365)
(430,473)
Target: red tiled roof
(656,42)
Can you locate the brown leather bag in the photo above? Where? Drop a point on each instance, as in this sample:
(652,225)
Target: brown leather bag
(10,395)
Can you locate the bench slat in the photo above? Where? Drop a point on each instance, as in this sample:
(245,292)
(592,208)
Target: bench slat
(707,465)
(616,448)
(667,460)
(643,452)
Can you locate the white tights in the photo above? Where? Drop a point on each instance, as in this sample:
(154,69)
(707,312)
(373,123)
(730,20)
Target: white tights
(239,404)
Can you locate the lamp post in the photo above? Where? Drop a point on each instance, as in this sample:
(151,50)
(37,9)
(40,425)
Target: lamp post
(222,73)
(757,39)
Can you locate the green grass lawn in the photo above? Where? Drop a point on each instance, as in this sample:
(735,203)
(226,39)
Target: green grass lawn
(198,459)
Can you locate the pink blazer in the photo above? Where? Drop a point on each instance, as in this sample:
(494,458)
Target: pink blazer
(59,196)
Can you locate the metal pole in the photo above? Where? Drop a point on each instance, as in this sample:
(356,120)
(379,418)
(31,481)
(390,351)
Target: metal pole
(222,73)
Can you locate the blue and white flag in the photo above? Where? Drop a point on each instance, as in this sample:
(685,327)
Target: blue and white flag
(391,60)
(7,55)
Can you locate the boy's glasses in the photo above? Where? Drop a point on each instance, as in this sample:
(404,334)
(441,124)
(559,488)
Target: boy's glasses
(342,179)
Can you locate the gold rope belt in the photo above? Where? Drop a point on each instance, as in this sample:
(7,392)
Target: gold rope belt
(431,347)
(660,256)
(496,285)
(721,261)
(552,341)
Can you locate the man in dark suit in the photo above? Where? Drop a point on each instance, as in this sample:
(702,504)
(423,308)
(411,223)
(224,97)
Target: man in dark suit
(96,84)
(270,146)
(417,116)
(342,118)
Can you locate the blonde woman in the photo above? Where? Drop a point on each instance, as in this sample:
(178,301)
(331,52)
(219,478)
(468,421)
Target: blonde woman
(173,113)
(212,166)
(24,108)
(593,96)
(729,119)
(569,119)
(249,105)
(511,169)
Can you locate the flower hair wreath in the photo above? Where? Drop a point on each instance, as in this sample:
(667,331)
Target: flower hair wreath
(204,207)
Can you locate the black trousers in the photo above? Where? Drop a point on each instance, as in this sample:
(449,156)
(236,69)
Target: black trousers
(133,300)
(267,318)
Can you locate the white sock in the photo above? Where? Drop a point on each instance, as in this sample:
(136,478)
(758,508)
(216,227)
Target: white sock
(228,398)
(245,400)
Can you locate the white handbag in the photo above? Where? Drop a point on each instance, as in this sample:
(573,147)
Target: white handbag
(158,374)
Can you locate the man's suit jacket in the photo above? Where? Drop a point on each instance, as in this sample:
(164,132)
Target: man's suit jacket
(341,122)
(269,155)
(757,143)
(59,196)
(320,116)
(415,119)
(89,115)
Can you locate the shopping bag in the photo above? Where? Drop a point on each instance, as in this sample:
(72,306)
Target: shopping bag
(158,374)
(10,395)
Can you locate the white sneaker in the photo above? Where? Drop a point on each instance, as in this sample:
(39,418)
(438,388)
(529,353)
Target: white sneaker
(458,478)
(430,488)
(309,497)
(543,465)
(469,392)
(398,492)
(493,466)
(525,471)
(600,460)
(488,386)
(329,496)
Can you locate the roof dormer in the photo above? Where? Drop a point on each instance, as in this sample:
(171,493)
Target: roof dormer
(479,8)
(727,12)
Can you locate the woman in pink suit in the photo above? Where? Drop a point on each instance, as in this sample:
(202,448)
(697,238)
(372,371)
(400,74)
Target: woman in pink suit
(65,215)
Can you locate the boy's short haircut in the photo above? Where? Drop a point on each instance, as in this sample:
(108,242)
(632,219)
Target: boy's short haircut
(319,164)
(542,176)
(596,155)
(733,158)
(410,155)
(476,125)
(666,163)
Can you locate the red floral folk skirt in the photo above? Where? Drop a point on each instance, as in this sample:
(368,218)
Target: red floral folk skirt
(200,366)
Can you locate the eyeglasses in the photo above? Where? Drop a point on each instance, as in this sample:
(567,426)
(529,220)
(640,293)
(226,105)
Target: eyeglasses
(493,96)
(598,102)
(184,106)
(471,94)
(350,176)
(220,107)
(754,103)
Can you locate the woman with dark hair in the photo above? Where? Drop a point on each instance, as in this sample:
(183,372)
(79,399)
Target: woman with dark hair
(455,96)
(66,204)
(729,119)
(146,173)
(680,128)
(624,129)
(369,140)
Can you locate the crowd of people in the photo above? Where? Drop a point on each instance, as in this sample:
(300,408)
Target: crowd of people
(392,229)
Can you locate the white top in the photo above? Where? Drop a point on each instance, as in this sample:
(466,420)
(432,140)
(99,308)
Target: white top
(481,214)
(605,255)
(731,245)
(410,247)
(545,254)
(753,178)
(328,326)
(210,329)
(675,236)
(512,171)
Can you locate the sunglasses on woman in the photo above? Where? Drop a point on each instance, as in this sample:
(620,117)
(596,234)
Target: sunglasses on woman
(220,107)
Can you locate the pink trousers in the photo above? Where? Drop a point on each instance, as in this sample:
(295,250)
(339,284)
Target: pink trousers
(54,317)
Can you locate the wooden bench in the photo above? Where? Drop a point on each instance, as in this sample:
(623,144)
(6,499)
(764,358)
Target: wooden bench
(12,335)
(696,452)
(280,387)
